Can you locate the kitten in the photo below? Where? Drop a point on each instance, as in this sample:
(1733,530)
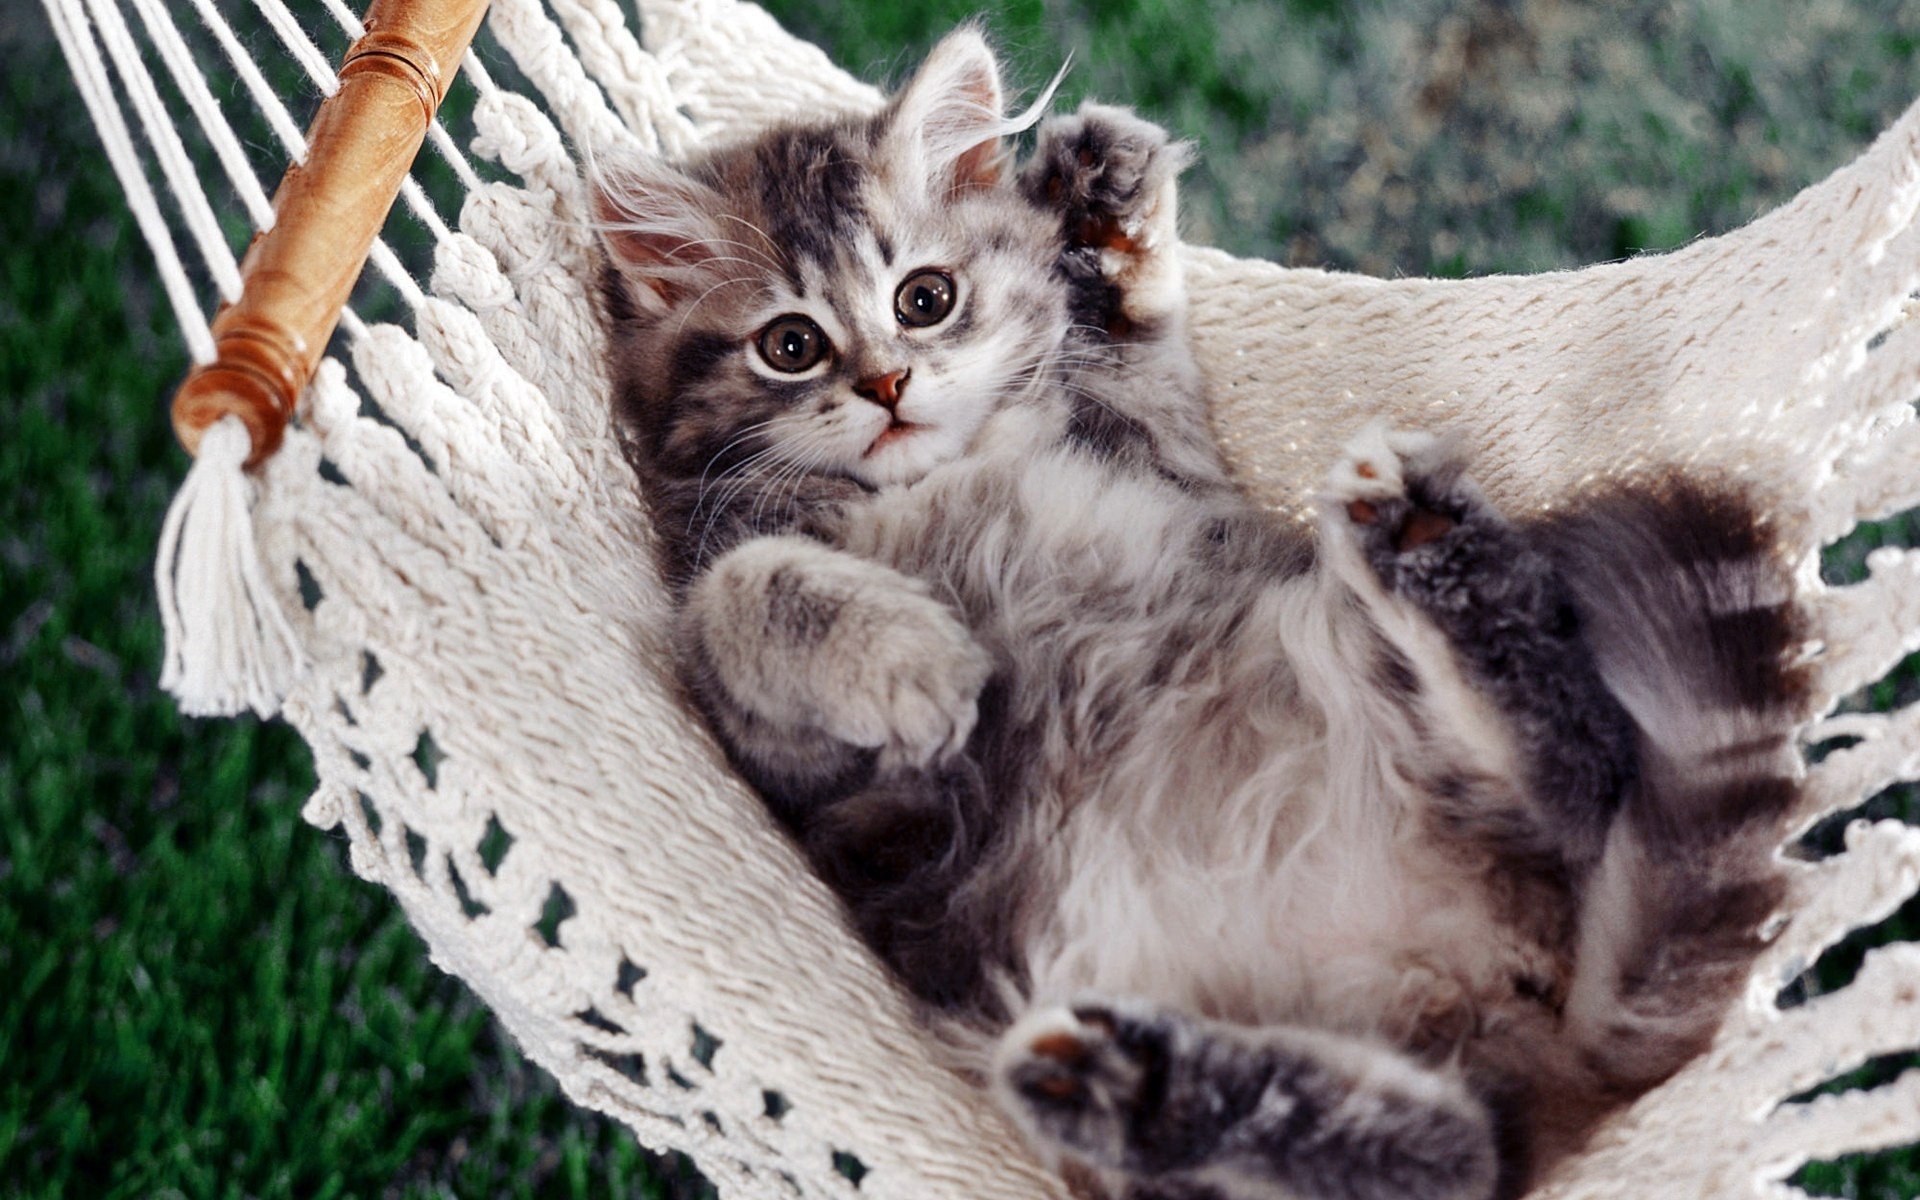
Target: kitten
(1239,860)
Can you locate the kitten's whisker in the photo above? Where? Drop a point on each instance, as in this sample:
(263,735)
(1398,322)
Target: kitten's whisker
(806,451)
(704,297)
(749,247)
(738,436)
(735,486)
(780,477)
(719,510)
(789,472)
(753,473)
(733,258)
(772,247)
(674,251)
(807,466)
(701,494)
(735,479)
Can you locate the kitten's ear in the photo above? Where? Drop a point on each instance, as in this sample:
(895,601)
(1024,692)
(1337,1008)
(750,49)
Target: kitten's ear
(657,225)
(948,121)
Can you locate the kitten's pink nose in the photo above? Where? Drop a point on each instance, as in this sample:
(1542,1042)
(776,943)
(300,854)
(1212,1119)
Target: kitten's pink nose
(884,390)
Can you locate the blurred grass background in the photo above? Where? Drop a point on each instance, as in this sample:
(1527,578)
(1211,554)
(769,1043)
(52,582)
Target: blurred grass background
(196,997)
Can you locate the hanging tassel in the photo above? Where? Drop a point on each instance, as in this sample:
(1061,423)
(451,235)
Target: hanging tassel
(229,647)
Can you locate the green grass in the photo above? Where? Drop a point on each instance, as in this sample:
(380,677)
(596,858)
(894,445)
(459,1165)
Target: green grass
(199,1000)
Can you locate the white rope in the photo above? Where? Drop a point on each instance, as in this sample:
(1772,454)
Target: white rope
(294,141)
(229,646)
(633,80)
(540,50)
(90,74)
(346,18)
(206,110)
(172,154)
(299,45)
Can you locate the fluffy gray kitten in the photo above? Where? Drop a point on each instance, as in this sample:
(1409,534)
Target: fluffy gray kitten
(1239,860)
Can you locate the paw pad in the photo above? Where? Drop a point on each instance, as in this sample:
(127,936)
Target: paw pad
(1402,522)
(1055,1064)
(1398,486)
(1074,1076)
(1104,232)
(1055,1087)
(1060,1046)
(1422,527)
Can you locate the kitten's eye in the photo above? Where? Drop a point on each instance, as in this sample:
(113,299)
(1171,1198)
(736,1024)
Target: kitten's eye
(792,344)
(924,299)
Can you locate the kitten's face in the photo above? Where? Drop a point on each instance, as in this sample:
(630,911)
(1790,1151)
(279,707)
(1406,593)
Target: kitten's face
(852,299)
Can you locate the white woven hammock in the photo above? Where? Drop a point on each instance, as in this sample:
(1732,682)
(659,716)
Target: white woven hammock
(478,650)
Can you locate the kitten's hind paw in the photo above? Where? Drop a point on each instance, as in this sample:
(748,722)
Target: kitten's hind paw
(1396,491)
(1159,1097)
(1074,1077)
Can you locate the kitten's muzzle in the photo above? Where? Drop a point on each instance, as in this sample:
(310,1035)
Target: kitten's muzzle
(884,390)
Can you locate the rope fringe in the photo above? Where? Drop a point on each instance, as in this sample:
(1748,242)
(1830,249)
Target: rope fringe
(229,647)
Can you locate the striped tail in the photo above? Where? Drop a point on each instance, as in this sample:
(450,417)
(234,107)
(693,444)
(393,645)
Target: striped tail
(1686,599)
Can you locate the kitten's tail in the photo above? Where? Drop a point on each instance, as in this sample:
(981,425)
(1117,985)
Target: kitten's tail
(1686,599)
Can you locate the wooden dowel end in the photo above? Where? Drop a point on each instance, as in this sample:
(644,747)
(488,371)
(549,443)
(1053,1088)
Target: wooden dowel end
(250,378)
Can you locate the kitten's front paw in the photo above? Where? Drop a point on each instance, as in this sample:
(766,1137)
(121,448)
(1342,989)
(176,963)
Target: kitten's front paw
(810,641)
(1074,1076)
(1112,178)
(1105,170)
(909,686)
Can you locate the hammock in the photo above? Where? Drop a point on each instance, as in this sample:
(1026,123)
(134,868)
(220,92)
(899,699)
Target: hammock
(439,579)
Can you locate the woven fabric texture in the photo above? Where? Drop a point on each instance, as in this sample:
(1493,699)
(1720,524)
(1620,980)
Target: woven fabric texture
(460,551)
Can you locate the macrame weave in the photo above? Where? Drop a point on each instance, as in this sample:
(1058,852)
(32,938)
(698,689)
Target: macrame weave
(476,653)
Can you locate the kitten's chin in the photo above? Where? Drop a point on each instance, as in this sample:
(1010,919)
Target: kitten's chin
(903,452)
(893,434)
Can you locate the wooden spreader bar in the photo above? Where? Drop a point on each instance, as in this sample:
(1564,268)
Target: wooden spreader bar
(296,277)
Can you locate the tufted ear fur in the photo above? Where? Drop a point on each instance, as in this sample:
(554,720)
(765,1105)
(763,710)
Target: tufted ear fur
(656,223)
(948,122)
